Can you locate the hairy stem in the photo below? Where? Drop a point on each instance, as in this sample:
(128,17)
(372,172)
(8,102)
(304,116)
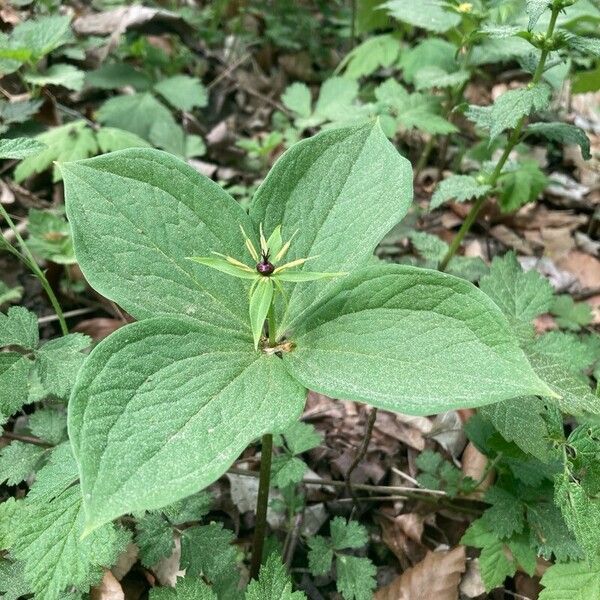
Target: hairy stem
(28,259)
(513,140)
(262,503)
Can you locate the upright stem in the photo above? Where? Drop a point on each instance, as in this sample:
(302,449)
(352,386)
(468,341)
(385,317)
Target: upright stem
(30,261)
(513,140)
(262,504)
(262,500)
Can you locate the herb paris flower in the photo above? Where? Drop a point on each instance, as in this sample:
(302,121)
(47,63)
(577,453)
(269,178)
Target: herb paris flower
(163,406)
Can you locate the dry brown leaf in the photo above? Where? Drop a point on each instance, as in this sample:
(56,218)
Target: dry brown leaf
(108,589)
(436,576)
(117,21)
(126,560)
(511,240)
(585,267)
(99,327)
(474,464)
(402,535)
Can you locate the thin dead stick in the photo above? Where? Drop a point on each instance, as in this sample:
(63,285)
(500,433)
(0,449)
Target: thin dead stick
(406,477)
(28,439)
(71,313)
(379,489)
(228,71)
(362,451)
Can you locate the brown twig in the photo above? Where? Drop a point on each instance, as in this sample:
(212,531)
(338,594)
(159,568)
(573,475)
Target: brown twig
(28,439)
(362,451)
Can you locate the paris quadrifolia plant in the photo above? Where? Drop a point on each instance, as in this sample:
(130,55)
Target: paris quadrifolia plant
(232,329)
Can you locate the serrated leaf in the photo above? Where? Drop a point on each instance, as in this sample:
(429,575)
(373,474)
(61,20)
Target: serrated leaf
(183,92)
(567,348)
(375,52)
(10,294)
(73,141)
(520,421)
(563,133)
(574,394)
(18,460)
(19,147)
(494,565)
(320,555)
(49,424)
(347,534)
(520,183)
(522,296)
(273,583)
(432,15)
(309,191)
(58,362)
(535,9)
(570,314)
(429,246)
(50,237)
(111,139)
(508,108)
(301,437)
(355,577)
(46,536)
(154,538)
(19,327)
(298,99)
(585,45)
(14,386)
(335,94)
(192,508)
(123,192)
(208,552)
(576,581)
(434,77)
(413,110)
(287,470)
(61,74)
(524,555)
(111,76)
(459,188)
(505,516)
(12,581)
(145,116)
(125,468)
(432,52)
(187,588)
(365,342)
(581,513)
(40,36)
(550,535)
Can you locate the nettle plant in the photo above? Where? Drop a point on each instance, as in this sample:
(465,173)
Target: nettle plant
(227,345)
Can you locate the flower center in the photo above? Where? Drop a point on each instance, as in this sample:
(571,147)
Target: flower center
(265,267)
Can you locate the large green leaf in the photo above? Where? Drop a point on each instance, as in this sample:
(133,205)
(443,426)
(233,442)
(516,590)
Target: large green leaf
(162,408)
(410,340)
(343,190)
(136,215)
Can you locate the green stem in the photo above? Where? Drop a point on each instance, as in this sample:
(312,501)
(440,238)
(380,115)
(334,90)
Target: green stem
(29,260)
(262,500)
(262,504)
(513,140)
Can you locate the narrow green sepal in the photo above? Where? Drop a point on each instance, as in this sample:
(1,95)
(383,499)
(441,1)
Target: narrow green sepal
(260,301)
(275,241)
(220,264)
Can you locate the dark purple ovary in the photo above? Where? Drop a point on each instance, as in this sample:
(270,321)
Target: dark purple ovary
(264,267)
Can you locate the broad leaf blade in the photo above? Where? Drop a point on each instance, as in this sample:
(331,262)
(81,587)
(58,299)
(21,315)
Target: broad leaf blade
(136,215)
(343,189)
(162,408)
(411,340)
